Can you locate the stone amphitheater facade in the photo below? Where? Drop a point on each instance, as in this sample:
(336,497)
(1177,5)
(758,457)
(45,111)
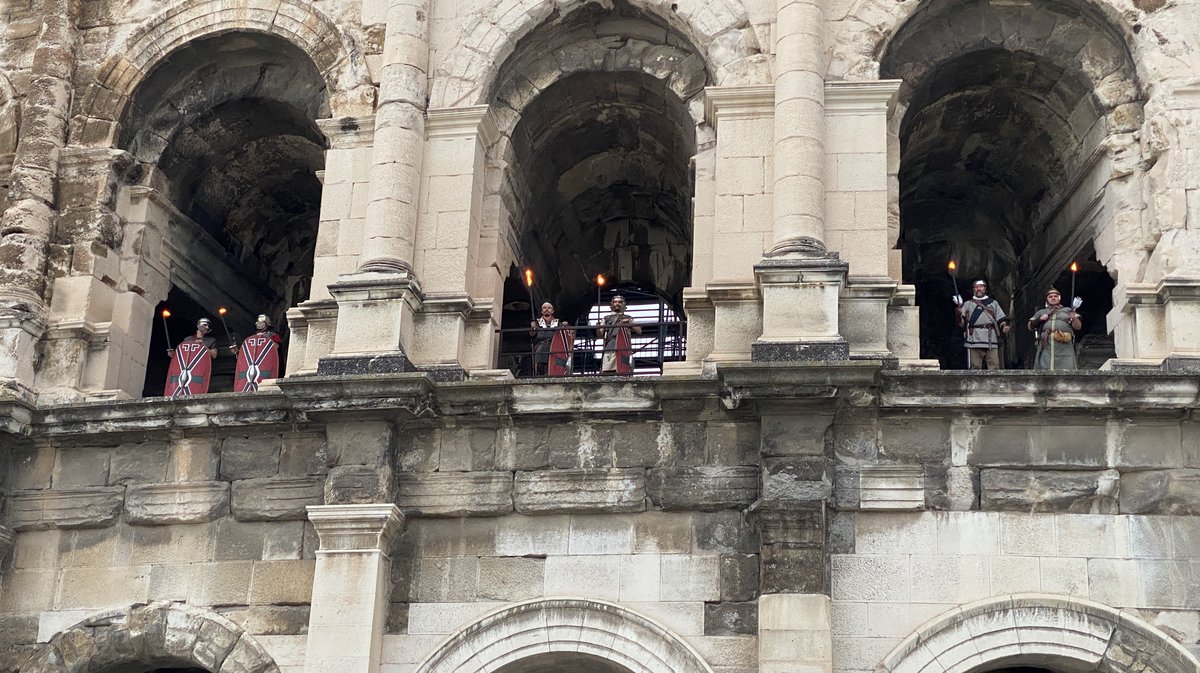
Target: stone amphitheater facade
(804,492)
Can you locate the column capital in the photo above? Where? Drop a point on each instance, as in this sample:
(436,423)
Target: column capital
(739,102)
(860,97)
(368,527)
(348,132)
(454,122)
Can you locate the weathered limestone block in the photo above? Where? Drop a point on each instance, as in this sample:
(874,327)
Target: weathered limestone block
(797,478)
(705,488)
(455,493)
(1091,491)
(359,485)
(74,508)
(276,498)
(1161,492)
(249,457)
(891,487)
(793,547)
(187,502)
(580,490)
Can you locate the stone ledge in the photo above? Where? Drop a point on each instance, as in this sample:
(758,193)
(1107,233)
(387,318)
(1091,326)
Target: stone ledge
(455,493)
(276,498)
(580,491)
(65,509)
(188,502)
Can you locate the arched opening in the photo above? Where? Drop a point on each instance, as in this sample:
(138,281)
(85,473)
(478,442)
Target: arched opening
(227,153)
(563,662)
(592,166)
(1006,114)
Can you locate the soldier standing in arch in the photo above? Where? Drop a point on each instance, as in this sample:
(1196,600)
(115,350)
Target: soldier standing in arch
(191,362)
(980,318)
(258,357)
(1055,326)
(615,329)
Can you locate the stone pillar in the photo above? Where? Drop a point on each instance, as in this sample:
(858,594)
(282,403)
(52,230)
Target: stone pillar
(799,208)
(351,584)
(799,280)
(391,227)
(376,304)
(740,225)
(345,190)
(26,224)
(794,634)
(456,327)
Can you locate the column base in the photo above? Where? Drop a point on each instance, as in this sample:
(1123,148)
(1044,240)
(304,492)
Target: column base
(766,351)
(352,365)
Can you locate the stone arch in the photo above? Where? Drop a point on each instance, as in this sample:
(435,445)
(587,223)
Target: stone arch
(1038,630)
(564,625)
(720,29)
(155,635)
(1015,131)
(338,59)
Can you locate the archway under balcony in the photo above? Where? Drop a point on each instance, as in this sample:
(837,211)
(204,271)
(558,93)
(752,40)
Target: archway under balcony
(226,154)
(1007,122)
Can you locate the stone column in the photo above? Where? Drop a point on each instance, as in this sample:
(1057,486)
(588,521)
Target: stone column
(376,304)
(26,225)
(350,586)
(799,280)
(391,227)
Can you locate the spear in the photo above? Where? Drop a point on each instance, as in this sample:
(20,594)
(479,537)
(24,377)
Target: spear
(166,332)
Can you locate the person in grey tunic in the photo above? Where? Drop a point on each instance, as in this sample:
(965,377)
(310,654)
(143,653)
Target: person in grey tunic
(982,320)
(1055,327)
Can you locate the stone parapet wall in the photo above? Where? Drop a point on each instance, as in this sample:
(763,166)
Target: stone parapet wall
(898,495)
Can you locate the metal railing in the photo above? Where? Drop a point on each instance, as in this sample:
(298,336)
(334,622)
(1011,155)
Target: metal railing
(659,343)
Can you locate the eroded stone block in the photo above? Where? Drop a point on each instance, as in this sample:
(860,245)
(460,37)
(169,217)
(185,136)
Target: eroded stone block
(1161,492)
(455,493)
(892,487)
(73,508)
(188,502)
(276,498)
(703,488)
(580,491)
(1092,491)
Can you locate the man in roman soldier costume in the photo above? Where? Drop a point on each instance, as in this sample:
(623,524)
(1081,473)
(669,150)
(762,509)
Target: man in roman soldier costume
(552,344)
(191,362)
(1055,326)
(982,321)
(258,358)
(616,328)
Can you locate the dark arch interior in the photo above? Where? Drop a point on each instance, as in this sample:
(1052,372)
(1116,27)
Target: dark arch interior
(1002,115)
(563,662)
(225,128)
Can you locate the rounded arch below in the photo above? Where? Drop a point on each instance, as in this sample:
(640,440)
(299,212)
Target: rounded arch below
(1063,632)
(153,636)
(564,625)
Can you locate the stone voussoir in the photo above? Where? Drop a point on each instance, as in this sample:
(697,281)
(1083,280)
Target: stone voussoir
(703,488)
(185,502)
(67,508)
(276,498)
(578,491)
(455,493)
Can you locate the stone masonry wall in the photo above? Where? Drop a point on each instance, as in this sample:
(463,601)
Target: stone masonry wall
(902,496)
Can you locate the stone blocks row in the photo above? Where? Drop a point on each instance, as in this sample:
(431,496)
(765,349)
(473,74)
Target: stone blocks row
(581,490)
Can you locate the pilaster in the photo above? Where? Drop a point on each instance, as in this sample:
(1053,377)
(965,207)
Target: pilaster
(350,586)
